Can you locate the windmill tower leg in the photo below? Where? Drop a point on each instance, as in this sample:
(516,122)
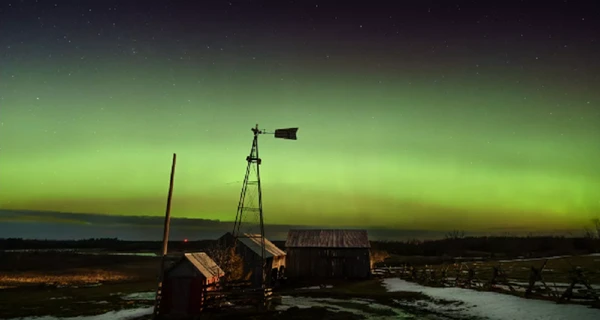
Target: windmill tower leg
(246,206)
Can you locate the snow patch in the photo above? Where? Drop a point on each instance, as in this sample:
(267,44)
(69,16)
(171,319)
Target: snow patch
(112,315)
(549,258)
(140,296)
(490,305)
(316,287)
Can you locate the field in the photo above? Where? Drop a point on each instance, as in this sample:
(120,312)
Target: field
(66,284)
(556,269)
(91,281)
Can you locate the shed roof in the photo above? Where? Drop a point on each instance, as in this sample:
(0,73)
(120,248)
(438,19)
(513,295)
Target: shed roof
(204,264)
(327,238)
(253,242)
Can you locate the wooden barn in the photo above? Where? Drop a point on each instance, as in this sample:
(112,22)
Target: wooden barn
(328,254)
(186,283)
(249,248)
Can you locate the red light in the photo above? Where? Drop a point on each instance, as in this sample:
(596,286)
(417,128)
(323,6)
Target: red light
(184,240)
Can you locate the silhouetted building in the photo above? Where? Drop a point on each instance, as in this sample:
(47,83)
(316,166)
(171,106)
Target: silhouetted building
(186,283)
(328,254)
(249,248)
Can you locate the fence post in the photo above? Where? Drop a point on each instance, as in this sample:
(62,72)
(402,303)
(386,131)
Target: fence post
(535,275)
(577,277)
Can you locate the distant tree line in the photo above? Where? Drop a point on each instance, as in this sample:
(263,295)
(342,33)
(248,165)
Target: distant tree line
(455,244)
(593,231)
(492,247)
(109,244)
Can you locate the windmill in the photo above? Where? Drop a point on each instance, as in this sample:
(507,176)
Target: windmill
(250,210)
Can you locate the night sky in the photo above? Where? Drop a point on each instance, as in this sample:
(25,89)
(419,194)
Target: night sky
(422,114)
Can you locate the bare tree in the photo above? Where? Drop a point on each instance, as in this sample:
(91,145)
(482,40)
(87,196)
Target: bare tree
(596,226)
(593,232)
(455,234)
(378,256)
(230,262)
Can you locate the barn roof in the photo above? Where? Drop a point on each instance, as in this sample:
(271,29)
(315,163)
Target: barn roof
(253,242)
(323,238)
(204,264)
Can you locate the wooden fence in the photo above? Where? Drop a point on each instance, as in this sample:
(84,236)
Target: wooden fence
(226,296)
(239,294)
(495,278)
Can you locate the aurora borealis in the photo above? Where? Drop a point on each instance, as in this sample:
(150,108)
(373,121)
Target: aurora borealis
(471,115)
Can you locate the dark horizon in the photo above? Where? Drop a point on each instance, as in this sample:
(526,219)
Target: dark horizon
(49,225)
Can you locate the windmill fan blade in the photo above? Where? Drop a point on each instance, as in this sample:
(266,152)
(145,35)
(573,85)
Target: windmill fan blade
(288,133)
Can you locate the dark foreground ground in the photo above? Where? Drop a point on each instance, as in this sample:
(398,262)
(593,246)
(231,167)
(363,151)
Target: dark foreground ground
(93,280)
(67,284)
(71,284)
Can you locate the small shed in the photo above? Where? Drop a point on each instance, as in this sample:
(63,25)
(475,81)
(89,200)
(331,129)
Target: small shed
(186,283)
(249,247)
(328,254)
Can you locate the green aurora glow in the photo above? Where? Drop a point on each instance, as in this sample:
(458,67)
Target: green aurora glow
(399,162)
(438,147)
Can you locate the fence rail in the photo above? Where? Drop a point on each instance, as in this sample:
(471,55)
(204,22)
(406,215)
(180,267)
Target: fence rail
(494,278)
(223,295)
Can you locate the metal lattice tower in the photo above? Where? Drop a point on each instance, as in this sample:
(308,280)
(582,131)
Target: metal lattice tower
(249,220)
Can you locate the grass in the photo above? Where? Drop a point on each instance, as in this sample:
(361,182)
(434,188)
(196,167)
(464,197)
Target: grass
(69,268)
(365,308)
(371,289)
(69,301)
(54,261)
(78,277)
(293,313)
(65,284)
(398,260)
(556,270)
(58,284)
(556,274)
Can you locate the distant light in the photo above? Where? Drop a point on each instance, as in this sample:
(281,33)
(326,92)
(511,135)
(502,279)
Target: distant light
(185,240)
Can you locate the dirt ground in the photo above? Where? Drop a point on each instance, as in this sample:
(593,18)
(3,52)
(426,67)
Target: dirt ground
(70,284)
(556,269)
(66,284)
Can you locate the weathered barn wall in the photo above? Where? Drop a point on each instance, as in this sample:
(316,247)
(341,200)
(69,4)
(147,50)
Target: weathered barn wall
(328,262)
(250,251)
(253,262)
(186,282)
(328,253)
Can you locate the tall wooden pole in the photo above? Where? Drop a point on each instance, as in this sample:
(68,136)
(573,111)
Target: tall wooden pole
(168,209)
(165,240)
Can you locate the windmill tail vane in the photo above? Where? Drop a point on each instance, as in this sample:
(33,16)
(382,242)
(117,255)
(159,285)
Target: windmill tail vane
(285,133)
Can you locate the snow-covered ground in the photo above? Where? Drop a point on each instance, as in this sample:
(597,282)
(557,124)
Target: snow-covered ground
(490,305)
(112,315)
(140,296)
(316,287)
(549,258)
